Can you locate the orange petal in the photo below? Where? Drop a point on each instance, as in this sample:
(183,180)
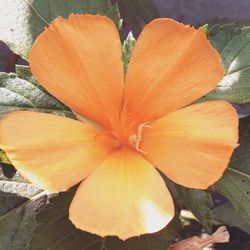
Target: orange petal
(192,146)
(172,65)
(53,152)
(124,197)
(78,60)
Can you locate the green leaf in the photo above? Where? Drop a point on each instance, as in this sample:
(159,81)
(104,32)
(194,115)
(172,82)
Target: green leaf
(235,186)
(24,73)
(226,214)
(17,226)
(241,156)
(20,202)
(55,231)
(233,44)
(14,192)
(199,202)
(160,241)
(21,21)
(235,183)
(19,94)
(127,50)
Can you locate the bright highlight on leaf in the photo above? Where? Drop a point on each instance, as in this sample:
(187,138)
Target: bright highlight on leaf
(135,125)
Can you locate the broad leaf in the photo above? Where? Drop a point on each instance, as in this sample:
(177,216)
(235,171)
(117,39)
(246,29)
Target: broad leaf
(19,94)
(235,186)
(55,231)
(14,192)
(233,44)
(21,21)
(20,202)
(235,183)
(17,226)
(241,157)
(227,215)
(199,202)
(24,73)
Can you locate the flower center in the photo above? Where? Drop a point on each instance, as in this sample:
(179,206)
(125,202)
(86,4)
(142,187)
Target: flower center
(125,132)
(130,135)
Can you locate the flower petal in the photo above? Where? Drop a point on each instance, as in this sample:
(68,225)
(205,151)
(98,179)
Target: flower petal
(53,152)
(192,146)
(124,197)
(78,60)
(171,66)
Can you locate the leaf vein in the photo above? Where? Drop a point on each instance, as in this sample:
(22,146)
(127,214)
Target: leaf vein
(11,90)
(38,14)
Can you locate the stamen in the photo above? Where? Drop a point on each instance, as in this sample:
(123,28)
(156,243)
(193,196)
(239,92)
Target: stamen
(136,139)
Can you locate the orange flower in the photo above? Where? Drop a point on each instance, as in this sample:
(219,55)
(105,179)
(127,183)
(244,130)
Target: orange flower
(136,126)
